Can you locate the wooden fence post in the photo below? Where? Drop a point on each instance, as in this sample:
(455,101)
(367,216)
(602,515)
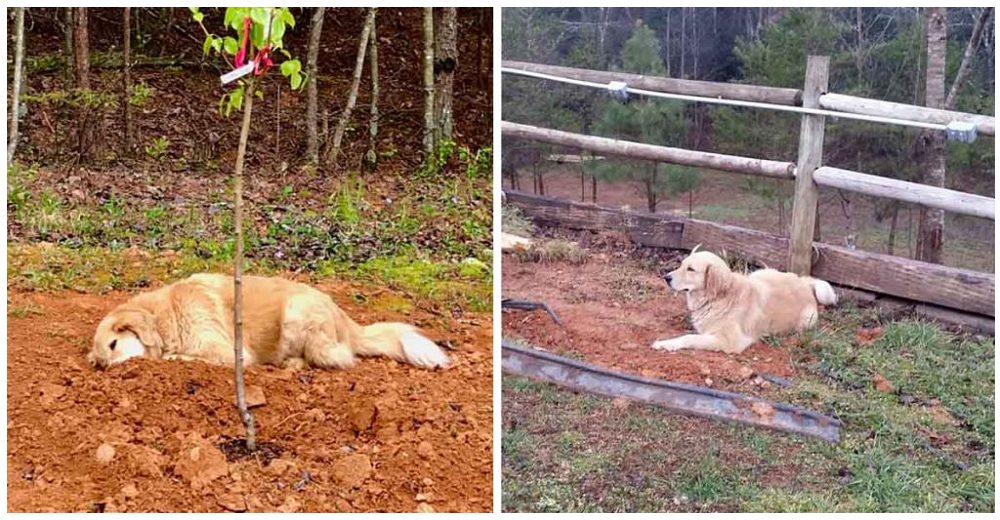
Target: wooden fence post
(810,158)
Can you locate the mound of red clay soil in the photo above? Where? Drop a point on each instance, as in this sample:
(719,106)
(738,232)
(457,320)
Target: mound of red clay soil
(613,311)
(150,435)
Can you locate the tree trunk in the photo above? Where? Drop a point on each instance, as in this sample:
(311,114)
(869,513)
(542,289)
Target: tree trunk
(352,97)
(372,155)
(127,77)
(81,49)
(446,53)
(68,43)
(893,221)
(241,400)
(81,62)
(970,51)
(164,38)
(312,56)
(15,106)
(593,189)
(430,128)
(931,227)
(683,39)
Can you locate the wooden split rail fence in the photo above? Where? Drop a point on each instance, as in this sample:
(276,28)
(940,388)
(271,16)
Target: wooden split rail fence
(960,289)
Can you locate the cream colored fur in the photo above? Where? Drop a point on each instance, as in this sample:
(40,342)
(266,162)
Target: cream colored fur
(284,323)
(730,311)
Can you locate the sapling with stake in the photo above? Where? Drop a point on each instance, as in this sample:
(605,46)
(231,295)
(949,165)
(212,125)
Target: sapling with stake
(259,32)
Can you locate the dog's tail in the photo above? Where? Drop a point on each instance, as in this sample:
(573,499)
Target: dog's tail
(824,292)
(401,342)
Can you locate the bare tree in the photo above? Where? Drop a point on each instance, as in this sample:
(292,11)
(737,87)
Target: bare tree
(931,227)
(430,128)
(352,96)
(371,156)
(68,29)
(127,77)
(312,102)
(446,52)
(970,51)
(15,110)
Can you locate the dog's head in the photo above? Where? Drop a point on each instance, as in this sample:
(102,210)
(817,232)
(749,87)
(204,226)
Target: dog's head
(125,333)
(700,271)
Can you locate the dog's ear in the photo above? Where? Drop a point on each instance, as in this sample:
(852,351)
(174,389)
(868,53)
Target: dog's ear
(141,324)
(715,280)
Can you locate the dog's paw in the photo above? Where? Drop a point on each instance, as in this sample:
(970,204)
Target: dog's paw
(667,345)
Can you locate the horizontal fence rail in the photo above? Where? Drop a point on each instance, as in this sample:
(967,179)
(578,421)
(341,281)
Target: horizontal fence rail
(753,96)
(778,96)
(960,289)
(649,152)
(941,198)
(985,125)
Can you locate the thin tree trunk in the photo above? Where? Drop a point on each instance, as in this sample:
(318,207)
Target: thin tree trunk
(931,228)
(241,400)
(81,48)
(68,43)
(81,62)
(446,53)
(694,41)
(593,189)
(683,39)
(352,97)
(372,155)
(970,51)
(430,129)
(164,39)
(893,221)
(15,108)
(312,103)
(127,77)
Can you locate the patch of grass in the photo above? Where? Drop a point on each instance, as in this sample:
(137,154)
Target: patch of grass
(48,267)
(513,221)
(721,212)
(554,250)
(626,286)
(925,446)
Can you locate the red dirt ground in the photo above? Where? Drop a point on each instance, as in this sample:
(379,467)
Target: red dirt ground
(380,437)
(610,330)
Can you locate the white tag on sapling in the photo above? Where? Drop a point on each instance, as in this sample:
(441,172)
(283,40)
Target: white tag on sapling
(236,74)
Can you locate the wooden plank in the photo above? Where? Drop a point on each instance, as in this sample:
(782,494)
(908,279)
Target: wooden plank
(648,152)
(647,230)
(811,136)
(960,289)
(985,125)
(735,91)
(947,316)
(948,200)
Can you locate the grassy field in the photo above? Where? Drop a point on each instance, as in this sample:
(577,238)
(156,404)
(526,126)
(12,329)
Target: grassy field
(921,439)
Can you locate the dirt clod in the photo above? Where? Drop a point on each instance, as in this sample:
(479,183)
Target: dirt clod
(363,417)
(255,396)
(130,491)
(105,453)
(425,449)
(352,470)
(200,462)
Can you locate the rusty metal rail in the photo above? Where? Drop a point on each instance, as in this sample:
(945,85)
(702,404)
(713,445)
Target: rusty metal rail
(677,397)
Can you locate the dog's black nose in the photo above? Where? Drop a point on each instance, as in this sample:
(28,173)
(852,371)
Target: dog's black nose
(668,277)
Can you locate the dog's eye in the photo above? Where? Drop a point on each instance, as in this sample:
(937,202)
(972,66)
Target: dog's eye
(690,268)
(113,344)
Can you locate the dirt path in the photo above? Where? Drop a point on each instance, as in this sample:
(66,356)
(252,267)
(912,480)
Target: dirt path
(146,435)
(613,311)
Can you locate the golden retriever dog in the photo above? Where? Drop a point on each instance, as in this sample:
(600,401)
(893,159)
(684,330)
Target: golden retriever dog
(730,311)
(284,323)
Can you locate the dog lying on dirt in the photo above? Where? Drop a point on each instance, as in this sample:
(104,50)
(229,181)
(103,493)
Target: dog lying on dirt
(730,311)
(284,323)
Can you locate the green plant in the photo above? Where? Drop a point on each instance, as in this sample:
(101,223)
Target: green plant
(158,148)
(141,94)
